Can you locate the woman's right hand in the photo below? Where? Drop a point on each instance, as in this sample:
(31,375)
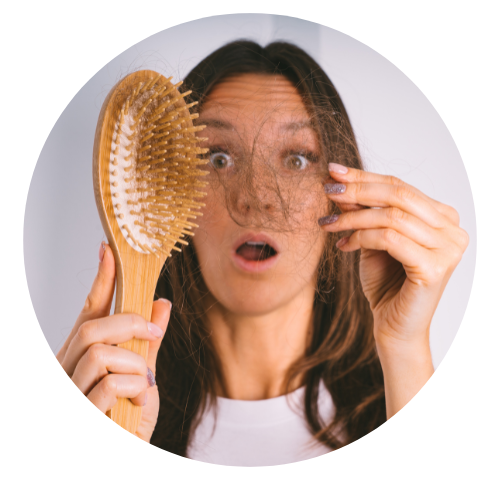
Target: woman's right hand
(103,371)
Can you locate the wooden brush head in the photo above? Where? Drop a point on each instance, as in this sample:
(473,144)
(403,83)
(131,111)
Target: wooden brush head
(146,178)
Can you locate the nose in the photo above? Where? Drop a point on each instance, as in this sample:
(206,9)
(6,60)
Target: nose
(255,194)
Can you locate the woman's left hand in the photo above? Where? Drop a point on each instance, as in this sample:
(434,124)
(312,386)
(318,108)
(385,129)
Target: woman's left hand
(410,244)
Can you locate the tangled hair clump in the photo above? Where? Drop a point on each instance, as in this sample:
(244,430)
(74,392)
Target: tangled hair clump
(342,350)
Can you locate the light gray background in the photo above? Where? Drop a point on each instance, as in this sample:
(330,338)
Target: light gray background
(398,131)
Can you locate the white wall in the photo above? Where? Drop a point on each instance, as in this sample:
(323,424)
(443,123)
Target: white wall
(399,132)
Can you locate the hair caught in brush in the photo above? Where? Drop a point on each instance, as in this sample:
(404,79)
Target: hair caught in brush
(342,350)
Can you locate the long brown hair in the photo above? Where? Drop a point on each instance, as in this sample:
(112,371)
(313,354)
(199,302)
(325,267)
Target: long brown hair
(342,350)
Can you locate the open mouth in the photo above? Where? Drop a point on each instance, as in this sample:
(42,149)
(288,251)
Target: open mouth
(256,251)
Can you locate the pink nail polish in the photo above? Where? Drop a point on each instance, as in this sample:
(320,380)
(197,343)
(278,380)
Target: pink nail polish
(102,249)
(337,168)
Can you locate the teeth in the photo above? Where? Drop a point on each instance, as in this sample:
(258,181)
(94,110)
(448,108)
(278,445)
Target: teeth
(256,243)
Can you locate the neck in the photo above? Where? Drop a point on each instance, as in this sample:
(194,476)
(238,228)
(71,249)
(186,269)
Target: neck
(256,351)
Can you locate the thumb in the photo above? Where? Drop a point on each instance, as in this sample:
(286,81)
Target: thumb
(160,316)
(98,302)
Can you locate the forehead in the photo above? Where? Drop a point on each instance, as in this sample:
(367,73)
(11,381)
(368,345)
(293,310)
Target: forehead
(256,98)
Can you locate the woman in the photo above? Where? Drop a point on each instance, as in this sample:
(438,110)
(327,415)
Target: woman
(308,280)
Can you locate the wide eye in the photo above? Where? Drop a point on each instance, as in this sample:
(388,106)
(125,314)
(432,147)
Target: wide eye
(296,162)
(221,160)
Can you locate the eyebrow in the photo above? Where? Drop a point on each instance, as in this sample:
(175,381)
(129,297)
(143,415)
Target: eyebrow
(216,123)
(223,125)
(295,126)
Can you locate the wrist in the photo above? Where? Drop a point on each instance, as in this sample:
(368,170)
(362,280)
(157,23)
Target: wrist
(388,346)
(414,359)
(411,356)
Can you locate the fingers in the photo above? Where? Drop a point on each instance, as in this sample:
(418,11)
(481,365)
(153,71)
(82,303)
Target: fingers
(398,246)
(114,386)
(160,316)
(352,175)
(383,196)
(344,207)
(111,330)
(393,218)
(100,359)
(98,302)
(350,207)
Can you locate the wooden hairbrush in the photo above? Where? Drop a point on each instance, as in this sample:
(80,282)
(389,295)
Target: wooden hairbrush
(146,181)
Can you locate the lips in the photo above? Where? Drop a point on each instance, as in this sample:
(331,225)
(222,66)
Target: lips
(255,252)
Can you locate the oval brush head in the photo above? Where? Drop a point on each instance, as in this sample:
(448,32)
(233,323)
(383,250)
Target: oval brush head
(146,184)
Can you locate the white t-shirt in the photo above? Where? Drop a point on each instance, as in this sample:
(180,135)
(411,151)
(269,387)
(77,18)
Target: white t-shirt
(259,433)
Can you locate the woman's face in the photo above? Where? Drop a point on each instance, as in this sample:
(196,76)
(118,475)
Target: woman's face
(259,243)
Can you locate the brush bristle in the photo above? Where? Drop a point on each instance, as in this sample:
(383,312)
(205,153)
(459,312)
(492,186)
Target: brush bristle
(154,175)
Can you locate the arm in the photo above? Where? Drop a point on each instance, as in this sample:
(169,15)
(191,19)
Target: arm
(405,372)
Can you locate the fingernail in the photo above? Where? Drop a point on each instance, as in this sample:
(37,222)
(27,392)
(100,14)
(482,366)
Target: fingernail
(168,302)
(102,249)
(337,168)
(342,242)
(334,188)
(155,330)
(145,399)
(327,220)
(151,378)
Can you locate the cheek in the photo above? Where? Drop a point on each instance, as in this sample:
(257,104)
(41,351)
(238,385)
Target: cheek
(308,239)
(308,204)
(212,226)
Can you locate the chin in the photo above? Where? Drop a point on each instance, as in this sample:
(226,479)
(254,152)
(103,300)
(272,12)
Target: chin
(251,296)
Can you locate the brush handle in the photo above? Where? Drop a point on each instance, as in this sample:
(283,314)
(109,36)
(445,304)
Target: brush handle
(137,276)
